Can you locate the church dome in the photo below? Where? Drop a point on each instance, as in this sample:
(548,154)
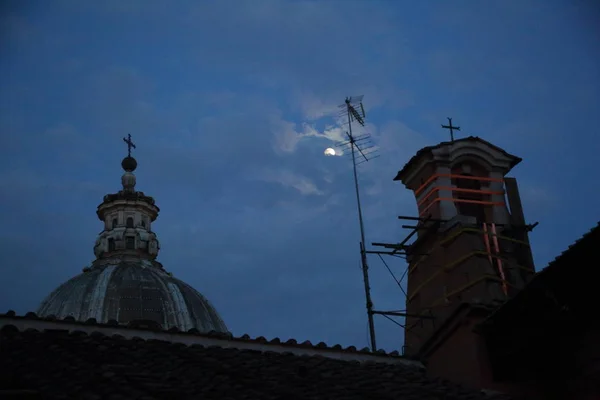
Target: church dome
(125,283)
(129,291)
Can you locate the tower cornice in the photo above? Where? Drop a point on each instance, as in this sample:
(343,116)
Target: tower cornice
(120,201)
(450,153)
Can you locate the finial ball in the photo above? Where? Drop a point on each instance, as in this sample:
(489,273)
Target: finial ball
(129,164)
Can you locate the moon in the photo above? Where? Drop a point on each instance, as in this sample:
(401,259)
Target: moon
(329,151)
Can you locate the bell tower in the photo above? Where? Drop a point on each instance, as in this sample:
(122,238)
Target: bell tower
(472,250)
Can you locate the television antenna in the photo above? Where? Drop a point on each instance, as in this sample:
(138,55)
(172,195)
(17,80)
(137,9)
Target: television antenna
(361,151)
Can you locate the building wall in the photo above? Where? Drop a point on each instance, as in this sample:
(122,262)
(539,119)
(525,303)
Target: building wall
(585,382)
(457,359)
(576,362)
(463,358)
(441,282)
(420,179)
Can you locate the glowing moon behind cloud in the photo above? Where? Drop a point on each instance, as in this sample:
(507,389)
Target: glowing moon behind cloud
(329,152)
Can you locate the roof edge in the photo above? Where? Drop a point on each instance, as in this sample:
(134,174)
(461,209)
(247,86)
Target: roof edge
(451,323)
(194,337)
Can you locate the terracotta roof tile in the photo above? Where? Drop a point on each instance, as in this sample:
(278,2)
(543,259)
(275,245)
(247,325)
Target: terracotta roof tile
(75,364)
(151,326)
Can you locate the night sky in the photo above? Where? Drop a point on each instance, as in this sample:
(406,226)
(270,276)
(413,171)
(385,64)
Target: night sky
(231,105)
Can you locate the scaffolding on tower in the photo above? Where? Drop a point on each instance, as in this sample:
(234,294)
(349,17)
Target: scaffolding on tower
(497,238)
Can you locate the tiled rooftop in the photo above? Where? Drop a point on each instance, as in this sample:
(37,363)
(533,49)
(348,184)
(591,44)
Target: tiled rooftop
(65,359)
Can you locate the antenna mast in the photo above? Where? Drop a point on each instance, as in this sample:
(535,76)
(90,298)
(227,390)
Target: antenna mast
(353,110)
(362,151)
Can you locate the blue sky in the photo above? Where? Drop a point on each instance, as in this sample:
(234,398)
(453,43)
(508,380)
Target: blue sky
(230,105)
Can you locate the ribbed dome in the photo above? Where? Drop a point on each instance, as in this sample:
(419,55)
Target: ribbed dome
(132,291)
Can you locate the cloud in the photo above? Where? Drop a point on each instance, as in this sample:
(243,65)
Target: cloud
(315,107)
(290,179)
(308,52)
(288,135)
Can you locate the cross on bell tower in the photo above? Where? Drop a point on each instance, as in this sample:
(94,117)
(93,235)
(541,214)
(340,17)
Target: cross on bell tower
(449,126)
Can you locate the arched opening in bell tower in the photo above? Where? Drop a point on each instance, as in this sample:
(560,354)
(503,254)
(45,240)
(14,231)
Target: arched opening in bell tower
(468,195)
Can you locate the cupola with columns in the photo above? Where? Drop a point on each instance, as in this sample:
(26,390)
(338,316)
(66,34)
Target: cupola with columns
(127,216)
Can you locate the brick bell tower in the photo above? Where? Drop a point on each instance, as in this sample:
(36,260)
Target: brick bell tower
(471,254)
